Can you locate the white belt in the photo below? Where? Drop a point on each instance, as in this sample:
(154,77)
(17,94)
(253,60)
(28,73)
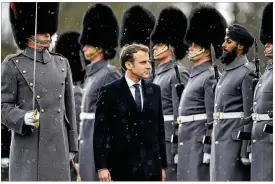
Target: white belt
(85,115)
(260,117)
(228,115)
(197,117)
(168,117)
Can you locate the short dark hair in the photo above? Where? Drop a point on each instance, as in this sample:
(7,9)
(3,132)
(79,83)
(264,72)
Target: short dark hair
(128,51)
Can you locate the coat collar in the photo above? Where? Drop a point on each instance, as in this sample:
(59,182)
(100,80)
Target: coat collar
(238,61)
(42,56)
(94,67)
(197,69)
(164,67)
(147,91)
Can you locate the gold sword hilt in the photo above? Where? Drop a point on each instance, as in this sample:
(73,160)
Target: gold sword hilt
(35,120)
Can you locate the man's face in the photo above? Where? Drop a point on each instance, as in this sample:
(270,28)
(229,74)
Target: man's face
(43,40)
(229,51)
(90,52)
(161,51)
(140,67)
(268,50)
(195,53)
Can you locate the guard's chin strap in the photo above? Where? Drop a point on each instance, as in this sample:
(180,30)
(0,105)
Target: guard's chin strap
(269,51)
(39,41)
(198,52)
(162,50)
(91,53)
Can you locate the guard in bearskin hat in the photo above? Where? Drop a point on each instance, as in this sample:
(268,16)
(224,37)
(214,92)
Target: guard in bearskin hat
(233,107)
(68,45)
(262,136)
(99,39)
(43,131)
(169,31)
(205,32)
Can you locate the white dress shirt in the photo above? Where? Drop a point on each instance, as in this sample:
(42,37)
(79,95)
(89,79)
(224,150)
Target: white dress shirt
(133,89)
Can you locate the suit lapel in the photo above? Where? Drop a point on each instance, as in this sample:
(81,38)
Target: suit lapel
(127,94)
(147,94)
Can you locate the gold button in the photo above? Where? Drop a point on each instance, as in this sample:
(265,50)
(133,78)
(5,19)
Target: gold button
(24,71)
(38,97)
(31,84)
(60,96)
(254,141)
(61,58)
(216,142)
(16,61)
(62,69)
(58,110)
(42,110)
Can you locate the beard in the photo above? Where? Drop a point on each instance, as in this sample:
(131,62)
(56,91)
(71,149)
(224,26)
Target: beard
(227,56)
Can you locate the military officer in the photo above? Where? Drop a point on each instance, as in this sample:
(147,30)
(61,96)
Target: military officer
(206,27)
(170,30)
(38,153)
(262,139)
(99,38)
(233,103)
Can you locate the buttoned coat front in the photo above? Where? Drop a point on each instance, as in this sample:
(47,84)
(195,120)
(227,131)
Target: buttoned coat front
(262,143)
(39,154)
(197,98)
(234,93)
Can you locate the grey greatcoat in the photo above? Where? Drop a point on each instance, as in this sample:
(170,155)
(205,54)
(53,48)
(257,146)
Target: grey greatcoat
(98,74)
(234,93)
(197,98)
(166,79)
(262,143)
(41,154)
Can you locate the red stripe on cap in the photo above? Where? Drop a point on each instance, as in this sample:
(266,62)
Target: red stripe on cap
(13,7)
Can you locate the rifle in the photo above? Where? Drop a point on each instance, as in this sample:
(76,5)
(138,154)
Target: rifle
(152,60)
(179,88)
(257,64)
(247,135)
(206,138)
(213,56)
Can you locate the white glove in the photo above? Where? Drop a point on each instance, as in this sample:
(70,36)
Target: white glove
(5,162)
(72,154)
(250,157)
(176,159)
(206,158)
(245,161)
(28,118)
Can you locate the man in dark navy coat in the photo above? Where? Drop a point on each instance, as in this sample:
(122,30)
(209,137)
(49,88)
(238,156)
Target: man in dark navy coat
(129,137)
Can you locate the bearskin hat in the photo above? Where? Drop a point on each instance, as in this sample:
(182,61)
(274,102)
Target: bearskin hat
(68,46)
(170,29)
(100,29)
(22,18)
(266,32)
(206,26)
(137,25)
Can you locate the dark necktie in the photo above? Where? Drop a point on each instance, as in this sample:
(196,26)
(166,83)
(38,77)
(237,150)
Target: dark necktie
(137,96)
